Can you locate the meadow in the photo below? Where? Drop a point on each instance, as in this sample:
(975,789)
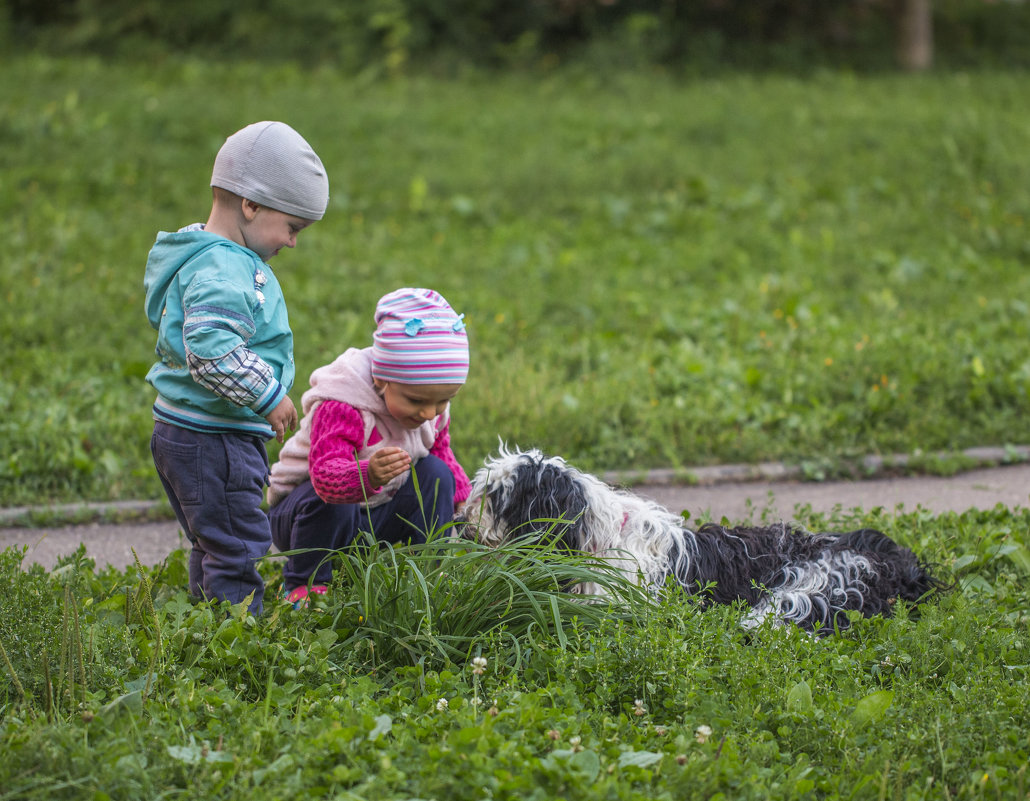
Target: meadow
(655,272)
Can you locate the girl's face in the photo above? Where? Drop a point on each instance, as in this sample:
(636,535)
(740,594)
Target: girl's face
(413,404)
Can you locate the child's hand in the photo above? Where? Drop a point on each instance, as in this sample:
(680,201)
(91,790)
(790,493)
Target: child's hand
(386,464)
(282,417)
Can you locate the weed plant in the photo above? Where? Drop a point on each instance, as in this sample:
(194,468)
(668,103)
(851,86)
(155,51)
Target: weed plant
(446,671)
(655,272)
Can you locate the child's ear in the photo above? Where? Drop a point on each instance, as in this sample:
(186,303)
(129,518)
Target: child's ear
(379,384)
(250,209)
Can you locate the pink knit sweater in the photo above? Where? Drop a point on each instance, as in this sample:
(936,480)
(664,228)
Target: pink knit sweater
(337,433)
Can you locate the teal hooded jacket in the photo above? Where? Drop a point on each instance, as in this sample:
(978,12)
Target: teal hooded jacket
(224,344)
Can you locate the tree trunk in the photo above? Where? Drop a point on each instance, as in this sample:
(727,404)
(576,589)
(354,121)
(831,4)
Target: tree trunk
(915,34)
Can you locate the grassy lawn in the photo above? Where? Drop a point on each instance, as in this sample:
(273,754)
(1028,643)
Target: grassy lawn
(126,690)
(654,273)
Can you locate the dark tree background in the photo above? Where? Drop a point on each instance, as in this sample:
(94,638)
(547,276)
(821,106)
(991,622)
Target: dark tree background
(399,35)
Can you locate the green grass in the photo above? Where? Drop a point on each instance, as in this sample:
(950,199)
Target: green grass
(654,272)
(114,686)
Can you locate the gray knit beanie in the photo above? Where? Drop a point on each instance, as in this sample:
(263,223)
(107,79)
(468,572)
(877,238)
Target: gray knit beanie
(271,164)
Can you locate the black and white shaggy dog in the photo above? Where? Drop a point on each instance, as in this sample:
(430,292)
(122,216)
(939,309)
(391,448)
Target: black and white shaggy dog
(780,570)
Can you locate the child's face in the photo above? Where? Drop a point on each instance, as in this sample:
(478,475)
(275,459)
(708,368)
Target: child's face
(267,231)
(413,404)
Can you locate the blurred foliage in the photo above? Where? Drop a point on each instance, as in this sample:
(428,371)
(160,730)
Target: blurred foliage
(395,35)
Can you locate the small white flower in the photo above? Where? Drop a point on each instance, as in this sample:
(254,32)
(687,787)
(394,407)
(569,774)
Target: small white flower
(476,700)
(575,742)
(702,733)
(441,705)
(479,666)
(638,708)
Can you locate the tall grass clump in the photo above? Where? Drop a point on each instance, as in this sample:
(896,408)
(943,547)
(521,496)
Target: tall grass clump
(431,604)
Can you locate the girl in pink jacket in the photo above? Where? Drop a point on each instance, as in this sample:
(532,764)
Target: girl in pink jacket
(371,418)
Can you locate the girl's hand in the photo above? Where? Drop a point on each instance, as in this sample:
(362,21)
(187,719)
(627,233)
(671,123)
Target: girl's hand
(386,464)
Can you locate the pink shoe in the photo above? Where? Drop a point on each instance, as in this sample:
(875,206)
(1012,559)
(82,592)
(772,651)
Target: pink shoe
(298,596)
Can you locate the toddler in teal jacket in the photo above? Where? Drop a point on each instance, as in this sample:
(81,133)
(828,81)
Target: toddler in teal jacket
(225,352)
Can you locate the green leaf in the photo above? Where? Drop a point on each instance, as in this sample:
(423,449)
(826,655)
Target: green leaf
(587,763)
(1020,557)
(976,584)
(799,698)
(964,561)
(873,707)
(639,759)
(131,703)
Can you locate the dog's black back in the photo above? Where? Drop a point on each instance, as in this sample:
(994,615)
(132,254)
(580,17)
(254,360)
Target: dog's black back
(864,570)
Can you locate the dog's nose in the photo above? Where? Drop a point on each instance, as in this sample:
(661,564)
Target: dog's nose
(463,528)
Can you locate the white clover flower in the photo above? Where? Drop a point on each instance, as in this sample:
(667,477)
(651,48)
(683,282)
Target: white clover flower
(638,708)
(702,733)
(479,666)
(441,705)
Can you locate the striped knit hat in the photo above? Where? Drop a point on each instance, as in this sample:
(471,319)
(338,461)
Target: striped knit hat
(419,339)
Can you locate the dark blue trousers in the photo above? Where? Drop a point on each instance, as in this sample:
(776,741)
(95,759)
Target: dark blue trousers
(302,520)
(215,484)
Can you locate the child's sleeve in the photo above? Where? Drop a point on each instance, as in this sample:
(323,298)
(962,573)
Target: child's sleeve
(218,323)
(337,435)
(442,450)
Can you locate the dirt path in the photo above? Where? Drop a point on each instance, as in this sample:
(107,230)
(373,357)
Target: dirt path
(737,501)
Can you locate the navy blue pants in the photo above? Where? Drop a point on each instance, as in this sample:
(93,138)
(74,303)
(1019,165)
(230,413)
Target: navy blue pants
(302,520)
(216,483)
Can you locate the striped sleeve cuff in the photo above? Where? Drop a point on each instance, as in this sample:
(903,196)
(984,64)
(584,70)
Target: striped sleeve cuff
(269,399)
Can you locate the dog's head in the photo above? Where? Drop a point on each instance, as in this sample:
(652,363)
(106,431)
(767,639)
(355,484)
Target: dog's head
(524,495)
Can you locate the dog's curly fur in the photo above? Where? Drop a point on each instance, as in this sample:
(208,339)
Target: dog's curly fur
(783,571)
